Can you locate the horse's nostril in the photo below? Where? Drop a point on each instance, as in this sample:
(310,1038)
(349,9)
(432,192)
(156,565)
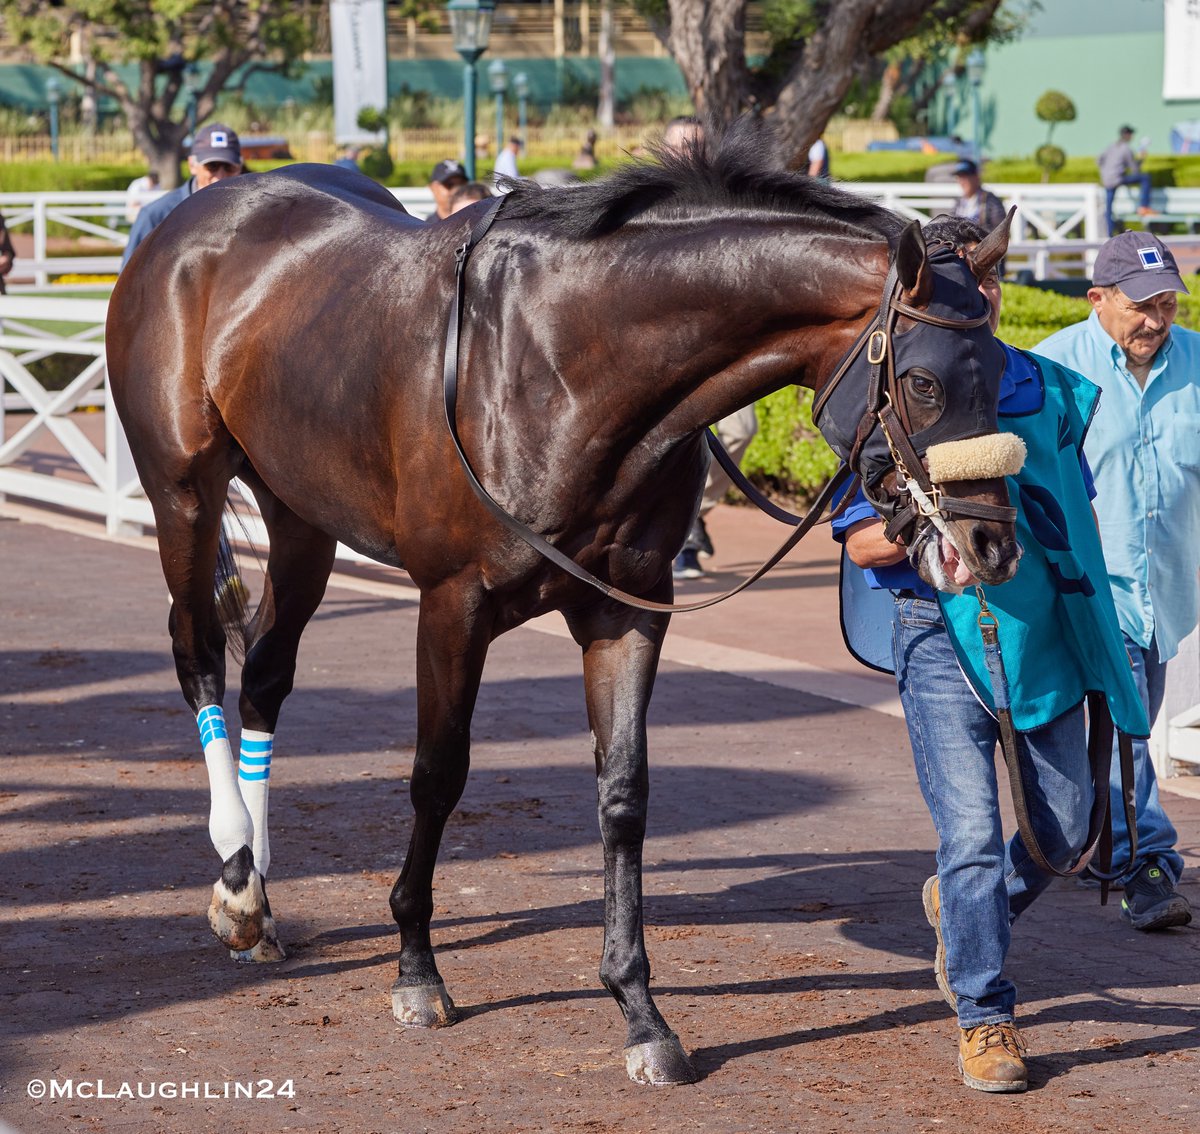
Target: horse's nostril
(996,553)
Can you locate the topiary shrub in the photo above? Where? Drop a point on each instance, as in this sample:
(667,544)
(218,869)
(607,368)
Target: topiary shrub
(377,163)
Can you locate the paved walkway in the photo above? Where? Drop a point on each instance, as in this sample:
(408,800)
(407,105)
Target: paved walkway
(787,847)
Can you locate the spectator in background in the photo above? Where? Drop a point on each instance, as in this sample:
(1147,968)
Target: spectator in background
(349,158)
(684,136)
(216,154)
(8,255)
(141,191)
(1143,445)
(466,195)
(447,176)
(506,160)
(1119,165)
(586,158)
(976,204)
(818,160)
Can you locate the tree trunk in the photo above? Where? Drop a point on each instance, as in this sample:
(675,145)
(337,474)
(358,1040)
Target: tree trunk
(889,85)
(708,41)
(608,61)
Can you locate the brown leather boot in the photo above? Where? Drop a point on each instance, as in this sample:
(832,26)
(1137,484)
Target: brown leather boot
(931,898)
(990,1058)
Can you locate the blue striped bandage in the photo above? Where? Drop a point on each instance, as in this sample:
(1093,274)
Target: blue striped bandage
(211,722)
(255,763)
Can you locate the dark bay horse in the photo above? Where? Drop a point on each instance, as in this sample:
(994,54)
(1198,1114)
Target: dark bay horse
(288,329)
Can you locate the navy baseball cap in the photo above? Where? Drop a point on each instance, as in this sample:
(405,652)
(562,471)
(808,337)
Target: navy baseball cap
(447,170)
(216,142)
(965,168)
(1139,264)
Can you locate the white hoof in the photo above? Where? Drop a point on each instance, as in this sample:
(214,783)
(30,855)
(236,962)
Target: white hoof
(267,951)
(237,919)
(660,1063)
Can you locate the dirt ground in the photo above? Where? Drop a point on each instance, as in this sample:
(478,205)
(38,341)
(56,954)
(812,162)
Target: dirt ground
(783,871)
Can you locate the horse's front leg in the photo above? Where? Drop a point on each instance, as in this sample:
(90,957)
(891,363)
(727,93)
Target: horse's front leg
(620,659)
(453,633)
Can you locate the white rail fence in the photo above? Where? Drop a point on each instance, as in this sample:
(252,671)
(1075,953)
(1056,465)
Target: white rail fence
(102,481)
(1057,230)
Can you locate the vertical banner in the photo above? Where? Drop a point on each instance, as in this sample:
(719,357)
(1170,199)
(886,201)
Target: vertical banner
(359,34)
(1181,49)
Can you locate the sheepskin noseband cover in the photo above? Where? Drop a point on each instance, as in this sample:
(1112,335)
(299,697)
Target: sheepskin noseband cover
(976,458)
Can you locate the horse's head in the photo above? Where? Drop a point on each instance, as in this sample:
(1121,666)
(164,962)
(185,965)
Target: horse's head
(913,410)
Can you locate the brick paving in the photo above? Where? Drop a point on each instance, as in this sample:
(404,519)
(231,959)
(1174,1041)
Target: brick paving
(787,847)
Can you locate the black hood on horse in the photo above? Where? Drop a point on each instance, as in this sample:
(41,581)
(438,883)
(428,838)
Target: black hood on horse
(963,365)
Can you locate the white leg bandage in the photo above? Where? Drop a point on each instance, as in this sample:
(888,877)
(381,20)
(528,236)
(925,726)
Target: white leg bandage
(254,778)
(229,824)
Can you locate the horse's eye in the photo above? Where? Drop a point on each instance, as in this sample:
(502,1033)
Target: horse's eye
(923,384)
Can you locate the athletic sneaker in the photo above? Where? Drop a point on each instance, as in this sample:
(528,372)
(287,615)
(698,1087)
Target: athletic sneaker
(687,565)
(699,538)
(1152,902)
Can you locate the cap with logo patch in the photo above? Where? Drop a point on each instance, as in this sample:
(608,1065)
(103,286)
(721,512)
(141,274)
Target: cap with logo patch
(215,142)
(447,170)
(1139,264)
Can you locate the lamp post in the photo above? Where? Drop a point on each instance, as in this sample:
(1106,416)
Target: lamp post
(52,97)
(976,64)
(470,26)
(498,81)
(521,86)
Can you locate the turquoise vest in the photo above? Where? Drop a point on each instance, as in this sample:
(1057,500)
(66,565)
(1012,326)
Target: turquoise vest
(1058,626)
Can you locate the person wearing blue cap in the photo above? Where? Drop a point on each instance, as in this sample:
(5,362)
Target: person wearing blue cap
(1143,450)
(976,204)
(216,154)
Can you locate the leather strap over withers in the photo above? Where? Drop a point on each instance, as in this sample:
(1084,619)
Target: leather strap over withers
(1100,735)
(539,543)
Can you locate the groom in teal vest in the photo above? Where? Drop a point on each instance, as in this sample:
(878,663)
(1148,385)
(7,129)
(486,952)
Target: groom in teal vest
(1060,641)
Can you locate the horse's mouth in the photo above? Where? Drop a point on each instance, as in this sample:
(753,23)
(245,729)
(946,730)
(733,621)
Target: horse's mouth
(945,566)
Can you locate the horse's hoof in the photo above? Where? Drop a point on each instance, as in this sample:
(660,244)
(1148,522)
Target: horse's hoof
(660,1063)
(423,1005)
(267,951)
(237,919)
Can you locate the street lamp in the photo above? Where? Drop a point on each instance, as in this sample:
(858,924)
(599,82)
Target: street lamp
(52,97)
(976,64)
(498,81)
(470,26)
(521,86)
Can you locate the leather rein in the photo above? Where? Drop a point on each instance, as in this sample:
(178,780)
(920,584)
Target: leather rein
(883,393)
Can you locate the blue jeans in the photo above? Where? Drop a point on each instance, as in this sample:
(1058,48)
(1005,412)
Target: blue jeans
(1142,179)
(1156,834)
(985,883)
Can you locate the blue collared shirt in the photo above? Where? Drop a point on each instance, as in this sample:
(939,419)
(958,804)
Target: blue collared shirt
(1144,450)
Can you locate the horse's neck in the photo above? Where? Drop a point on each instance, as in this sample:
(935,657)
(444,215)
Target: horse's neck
(725,321)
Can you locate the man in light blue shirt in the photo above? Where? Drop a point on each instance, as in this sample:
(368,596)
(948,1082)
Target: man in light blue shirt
(1144,451)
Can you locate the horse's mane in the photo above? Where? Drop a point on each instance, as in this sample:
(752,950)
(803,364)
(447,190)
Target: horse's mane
(735,171)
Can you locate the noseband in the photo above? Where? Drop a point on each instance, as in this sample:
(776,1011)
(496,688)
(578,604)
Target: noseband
(917,495)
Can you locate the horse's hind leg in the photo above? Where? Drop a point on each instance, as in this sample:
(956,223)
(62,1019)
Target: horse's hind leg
(298,565)
(453,634)
(187,487)
(620,659)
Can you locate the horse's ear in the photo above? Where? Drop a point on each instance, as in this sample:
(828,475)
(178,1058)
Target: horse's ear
(912,266)
(991,249)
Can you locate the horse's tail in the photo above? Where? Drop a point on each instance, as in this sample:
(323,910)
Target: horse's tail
(230,592)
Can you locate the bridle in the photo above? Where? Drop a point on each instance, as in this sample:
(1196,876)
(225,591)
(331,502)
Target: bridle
(883,395)
(917,496)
